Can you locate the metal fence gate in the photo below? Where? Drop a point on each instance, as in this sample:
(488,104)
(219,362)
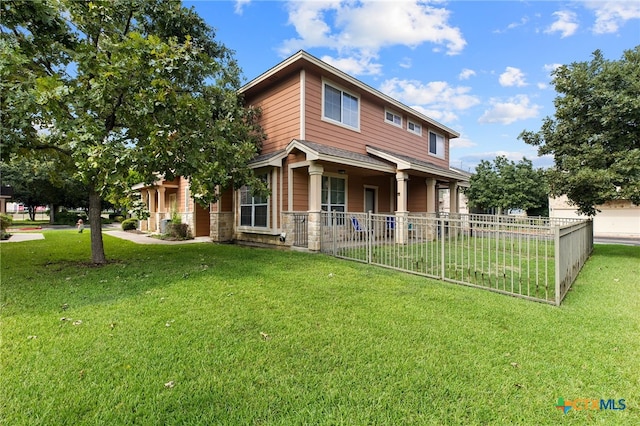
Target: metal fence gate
(532,258)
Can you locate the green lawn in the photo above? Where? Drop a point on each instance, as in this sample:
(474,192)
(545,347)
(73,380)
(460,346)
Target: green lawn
(220,334)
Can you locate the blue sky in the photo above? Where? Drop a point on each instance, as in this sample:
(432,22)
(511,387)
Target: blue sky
(480,67)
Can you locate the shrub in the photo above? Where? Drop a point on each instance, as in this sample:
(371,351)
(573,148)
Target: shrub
(5,221)
(178,231)
(68,218)
(130,224)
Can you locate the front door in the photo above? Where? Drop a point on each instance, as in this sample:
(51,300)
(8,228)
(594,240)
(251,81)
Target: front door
(370,200)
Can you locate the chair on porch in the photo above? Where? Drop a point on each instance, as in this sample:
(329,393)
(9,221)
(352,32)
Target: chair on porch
(358,229)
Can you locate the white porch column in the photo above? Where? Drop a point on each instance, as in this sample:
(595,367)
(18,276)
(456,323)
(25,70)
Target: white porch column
(144,224)
(152,210)
(161,204)
(315,205)
(401,179)
(402,225)
(453,197)
(431,195)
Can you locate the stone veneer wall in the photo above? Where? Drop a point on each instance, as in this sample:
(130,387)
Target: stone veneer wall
(221,226)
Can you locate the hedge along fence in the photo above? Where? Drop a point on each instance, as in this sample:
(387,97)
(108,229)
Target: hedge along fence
(532,258)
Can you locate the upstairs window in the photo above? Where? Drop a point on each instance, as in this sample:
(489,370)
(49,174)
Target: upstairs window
(392,118)
(254,209)
(341,107)
(414,128)
(436,144)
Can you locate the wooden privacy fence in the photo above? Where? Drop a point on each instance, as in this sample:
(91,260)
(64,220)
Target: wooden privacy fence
(532,258)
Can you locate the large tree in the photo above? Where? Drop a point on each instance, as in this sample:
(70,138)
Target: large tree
(594,136)
(121,86)
(504,185)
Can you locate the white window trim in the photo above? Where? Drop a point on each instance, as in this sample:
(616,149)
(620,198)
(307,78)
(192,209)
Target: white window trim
(444,145)
(419,133)
(255,229)
(346,188)
(336,122)
(395,114)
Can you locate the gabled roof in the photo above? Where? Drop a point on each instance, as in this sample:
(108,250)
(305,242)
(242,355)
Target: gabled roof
(404,162)
(302,58)
(316,151)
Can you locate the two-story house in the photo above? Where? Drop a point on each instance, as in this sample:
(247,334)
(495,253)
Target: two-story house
(333,144)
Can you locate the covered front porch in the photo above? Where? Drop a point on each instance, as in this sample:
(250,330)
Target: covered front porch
(324,179)
(167,199)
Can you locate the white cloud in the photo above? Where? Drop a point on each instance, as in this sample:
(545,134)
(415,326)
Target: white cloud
(512,77)
(406,63)
(438,95)
(436,99)
(465,74)
(240,4)
(551,67)
(514,109)
(364,27)
(542,86)
(566,24)
(437,114)
(611,15)
(362,65)
(462,142)
(513,25)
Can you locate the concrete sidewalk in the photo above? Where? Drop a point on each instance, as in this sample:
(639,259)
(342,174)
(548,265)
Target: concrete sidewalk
(18,237)
(148,239)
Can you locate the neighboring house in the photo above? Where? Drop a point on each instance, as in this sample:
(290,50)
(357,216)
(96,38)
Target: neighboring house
(444,197)
(6,192)
(333,144)
(620,218)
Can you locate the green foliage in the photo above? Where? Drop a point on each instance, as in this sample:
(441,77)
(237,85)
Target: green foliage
(125,87)
(594,136)
(178,231)
(129,224)
(506,185)
(5,221)
(70,218)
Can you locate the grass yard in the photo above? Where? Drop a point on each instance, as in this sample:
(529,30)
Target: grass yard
(518,264)
(221,334)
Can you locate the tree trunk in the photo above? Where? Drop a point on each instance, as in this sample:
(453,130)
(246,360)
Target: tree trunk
(95,222)
(52,214)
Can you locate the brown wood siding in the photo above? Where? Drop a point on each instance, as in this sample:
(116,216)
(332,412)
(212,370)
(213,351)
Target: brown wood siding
(417,195)
(301,189)
(226,200)
(374,130)
(280,113)
(202,221)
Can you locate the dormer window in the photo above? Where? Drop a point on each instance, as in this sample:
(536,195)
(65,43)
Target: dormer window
(392,118)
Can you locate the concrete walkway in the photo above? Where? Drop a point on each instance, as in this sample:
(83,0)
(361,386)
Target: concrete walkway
(18,237)
(148,239)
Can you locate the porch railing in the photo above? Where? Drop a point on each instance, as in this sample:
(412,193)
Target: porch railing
(296,224)
(532,258)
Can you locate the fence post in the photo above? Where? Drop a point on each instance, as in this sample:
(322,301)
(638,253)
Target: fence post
(441,222)
(334,232)
(556,250)
(369,231)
